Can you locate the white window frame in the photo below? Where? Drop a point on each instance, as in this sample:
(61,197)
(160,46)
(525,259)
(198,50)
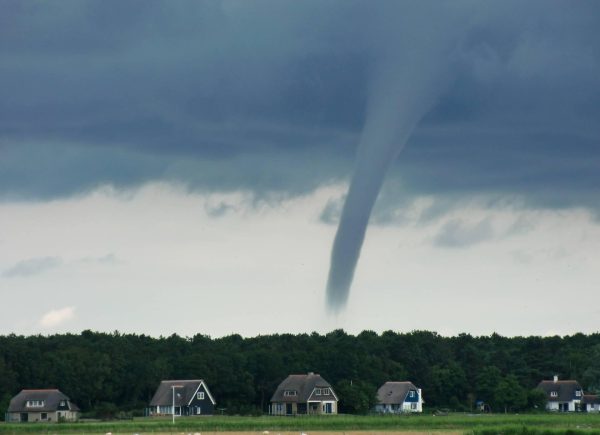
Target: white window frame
(200,395)
(290,393)
(553,393)
(578,393)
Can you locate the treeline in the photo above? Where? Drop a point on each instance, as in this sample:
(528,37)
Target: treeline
(106,372)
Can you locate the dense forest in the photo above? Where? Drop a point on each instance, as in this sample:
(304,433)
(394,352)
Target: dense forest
(108,373)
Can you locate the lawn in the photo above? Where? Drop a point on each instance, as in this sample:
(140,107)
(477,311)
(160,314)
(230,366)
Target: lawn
(487,424)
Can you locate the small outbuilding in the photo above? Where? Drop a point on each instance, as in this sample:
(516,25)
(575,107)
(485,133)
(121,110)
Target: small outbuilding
(304,394)
(590,403)
(399,397)
(49,405)
(189,397)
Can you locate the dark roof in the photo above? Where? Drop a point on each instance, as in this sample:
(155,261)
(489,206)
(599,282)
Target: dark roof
(565,390)
(392,393)
(304,385)
(591,398)
(184,392)
(51,399)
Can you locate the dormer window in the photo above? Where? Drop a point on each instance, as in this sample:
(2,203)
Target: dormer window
(35,403)
(578,393)
(317,391)
(200,395)
(63,403)
(290,393)
(553,394)
(411,393)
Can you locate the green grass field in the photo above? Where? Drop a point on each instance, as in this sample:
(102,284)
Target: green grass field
(471,424)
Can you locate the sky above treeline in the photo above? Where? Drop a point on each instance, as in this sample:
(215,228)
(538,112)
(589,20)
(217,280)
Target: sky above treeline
(181,166)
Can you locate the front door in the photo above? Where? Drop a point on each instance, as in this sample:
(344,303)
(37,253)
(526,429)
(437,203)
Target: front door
(288,409)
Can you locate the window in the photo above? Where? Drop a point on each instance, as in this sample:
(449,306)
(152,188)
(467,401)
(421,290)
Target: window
(413,405)
(44,416)
(553,394)
(290,393)
(317,391)
(63,403)
(35,403)
(578,393)
(200,395)
(411,393)
(325,391)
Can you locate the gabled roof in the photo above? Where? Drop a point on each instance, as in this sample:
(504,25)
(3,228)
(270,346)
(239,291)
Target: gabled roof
(50,397)
(185,390)
(392,393)
(304,385)
(565,390)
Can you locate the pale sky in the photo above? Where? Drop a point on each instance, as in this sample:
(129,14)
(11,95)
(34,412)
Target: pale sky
(180,167)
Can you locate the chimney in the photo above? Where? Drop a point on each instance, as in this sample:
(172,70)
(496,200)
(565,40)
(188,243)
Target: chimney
(555,378)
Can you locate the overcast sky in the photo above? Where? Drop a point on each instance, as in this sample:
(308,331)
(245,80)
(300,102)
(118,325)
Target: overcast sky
(180,166)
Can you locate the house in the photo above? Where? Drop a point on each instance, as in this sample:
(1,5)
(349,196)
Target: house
(304,394)
(397,397)
(564,396)
(590,403)
(190,397)
(41,405)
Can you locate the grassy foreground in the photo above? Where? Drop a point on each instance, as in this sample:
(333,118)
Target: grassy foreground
(471,424)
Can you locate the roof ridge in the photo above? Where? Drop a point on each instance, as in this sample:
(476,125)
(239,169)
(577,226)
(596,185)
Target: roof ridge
(181,380)
(40,389)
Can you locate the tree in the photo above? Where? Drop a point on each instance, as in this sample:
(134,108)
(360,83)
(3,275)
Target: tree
(536,399)
(509,395)
(356,397)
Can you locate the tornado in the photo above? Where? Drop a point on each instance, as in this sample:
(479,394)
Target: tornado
(401,92)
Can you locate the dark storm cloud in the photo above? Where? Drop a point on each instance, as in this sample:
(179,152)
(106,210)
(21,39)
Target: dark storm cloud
(270,96)
(32,266)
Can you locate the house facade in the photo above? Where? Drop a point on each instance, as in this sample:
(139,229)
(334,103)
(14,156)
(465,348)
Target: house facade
(190,397)
(399,397)
(49,405)
(563,396)
(304,394)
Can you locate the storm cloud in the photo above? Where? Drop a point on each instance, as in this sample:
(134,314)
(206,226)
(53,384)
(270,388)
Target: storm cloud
(32,266)
(269,96)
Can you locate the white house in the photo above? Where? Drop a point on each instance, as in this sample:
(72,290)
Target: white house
(398,397)
(563,396)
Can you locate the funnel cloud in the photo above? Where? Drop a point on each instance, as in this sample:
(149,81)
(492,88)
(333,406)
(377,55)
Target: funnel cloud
(404,85)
